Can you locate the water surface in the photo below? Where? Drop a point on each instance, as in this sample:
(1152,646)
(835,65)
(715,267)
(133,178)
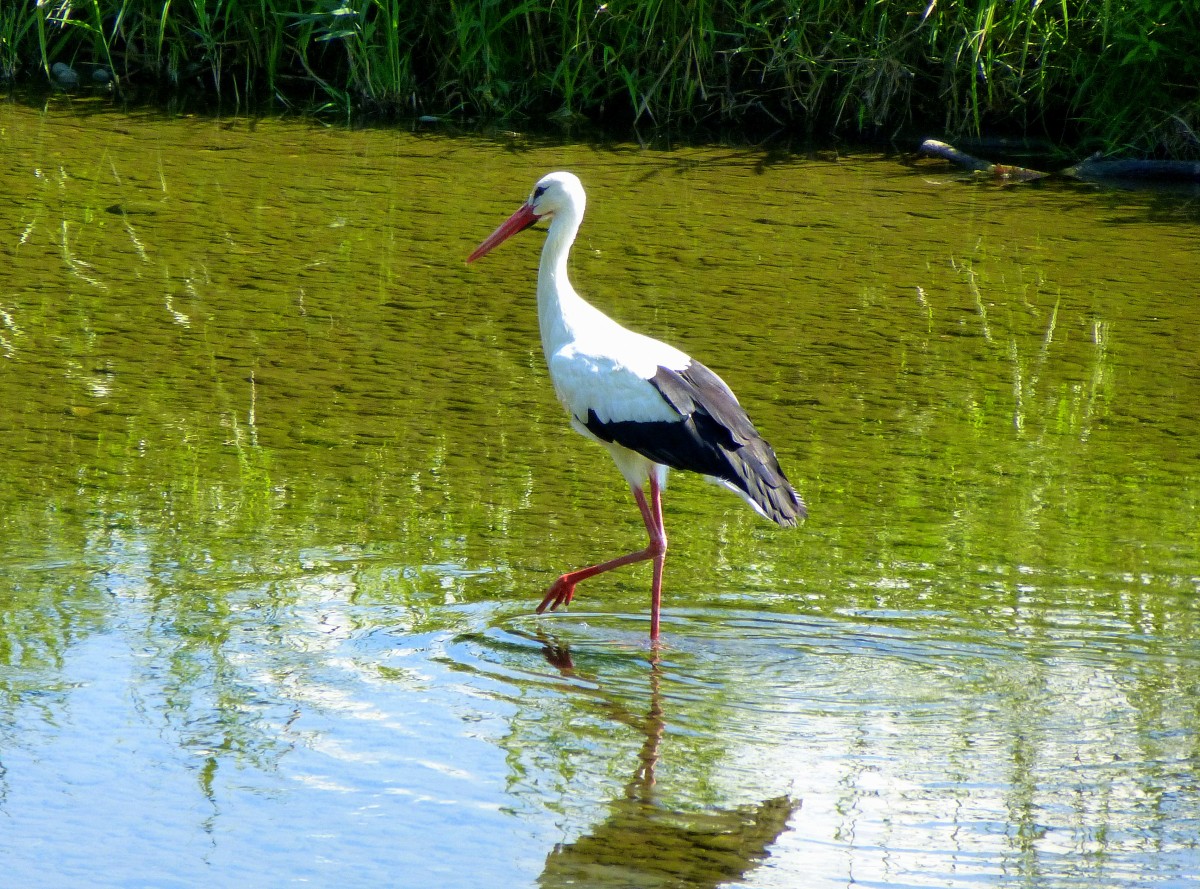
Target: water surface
(283,478)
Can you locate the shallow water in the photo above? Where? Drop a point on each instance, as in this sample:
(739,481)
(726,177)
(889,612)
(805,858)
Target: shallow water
(284,477)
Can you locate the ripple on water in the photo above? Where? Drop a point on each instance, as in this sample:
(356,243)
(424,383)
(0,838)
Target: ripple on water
(768,659)
(933,753)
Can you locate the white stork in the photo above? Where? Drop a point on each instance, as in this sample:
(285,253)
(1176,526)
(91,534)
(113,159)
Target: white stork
(648,403)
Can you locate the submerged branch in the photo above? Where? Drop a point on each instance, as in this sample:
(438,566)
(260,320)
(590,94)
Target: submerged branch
(1092,169)
(1159,170)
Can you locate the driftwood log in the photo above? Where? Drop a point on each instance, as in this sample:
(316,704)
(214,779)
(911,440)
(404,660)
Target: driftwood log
(1092,169)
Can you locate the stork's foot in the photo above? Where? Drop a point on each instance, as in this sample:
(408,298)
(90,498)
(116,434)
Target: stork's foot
(560,593)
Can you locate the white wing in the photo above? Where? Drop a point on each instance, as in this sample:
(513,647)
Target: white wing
(609,373)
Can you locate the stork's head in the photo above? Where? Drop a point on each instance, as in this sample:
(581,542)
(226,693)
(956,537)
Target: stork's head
(560,193)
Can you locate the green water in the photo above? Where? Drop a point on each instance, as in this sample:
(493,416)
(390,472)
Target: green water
(283,478)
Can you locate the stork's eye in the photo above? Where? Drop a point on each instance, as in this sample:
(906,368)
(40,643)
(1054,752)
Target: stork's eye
(539,191)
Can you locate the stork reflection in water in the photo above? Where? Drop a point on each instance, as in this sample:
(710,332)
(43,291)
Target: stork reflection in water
(642,842)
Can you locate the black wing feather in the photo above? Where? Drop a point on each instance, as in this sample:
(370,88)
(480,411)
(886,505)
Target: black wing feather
(713,436)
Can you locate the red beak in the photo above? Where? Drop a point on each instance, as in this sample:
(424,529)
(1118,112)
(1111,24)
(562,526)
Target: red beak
(518,222)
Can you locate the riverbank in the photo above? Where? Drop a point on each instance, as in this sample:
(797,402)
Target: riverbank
(1086,75)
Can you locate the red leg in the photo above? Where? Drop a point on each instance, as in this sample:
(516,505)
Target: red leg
(658,540)
(563,590)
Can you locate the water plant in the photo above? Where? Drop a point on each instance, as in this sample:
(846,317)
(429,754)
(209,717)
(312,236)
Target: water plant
(1113,75)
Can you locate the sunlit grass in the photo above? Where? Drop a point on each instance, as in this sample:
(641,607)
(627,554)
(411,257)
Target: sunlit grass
(1116,75)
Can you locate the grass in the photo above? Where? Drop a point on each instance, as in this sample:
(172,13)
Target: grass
(1089,73)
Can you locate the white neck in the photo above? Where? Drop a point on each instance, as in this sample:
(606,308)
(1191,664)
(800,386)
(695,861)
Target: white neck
(566,319)
(561,311)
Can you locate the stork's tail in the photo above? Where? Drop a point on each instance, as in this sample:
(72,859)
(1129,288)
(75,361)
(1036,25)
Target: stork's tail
(758,477)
